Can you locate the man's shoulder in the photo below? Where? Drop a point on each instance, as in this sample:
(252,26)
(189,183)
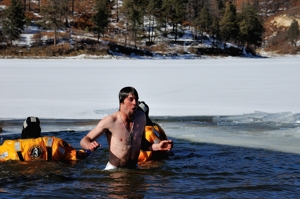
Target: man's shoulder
(110,118)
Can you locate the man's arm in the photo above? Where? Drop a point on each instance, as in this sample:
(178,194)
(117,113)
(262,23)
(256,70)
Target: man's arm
(164,145)
(89,141)
(89,144)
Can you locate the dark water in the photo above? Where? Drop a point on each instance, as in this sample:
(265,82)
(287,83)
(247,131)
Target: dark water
(196,170)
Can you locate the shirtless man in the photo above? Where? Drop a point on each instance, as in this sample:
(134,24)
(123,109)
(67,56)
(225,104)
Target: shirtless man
(124,130)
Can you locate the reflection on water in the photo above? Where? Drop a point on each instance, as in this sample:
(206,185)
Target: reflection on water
(125,184)
(196,170)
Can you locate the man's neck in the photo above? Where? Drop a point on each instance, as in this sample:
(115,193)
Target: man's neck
(127,118)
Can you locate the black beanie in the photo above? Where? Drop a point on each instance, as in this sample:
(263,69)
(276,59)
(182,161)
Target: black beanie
(31,128)
(145,108)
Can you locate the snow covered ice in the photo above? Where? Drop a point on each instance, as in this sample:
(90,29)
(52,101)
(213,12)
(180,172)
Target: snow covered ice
(88,89)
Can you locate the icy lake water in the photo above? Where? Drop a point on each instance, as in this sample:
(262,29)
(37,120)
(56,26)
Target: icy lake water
(245,156)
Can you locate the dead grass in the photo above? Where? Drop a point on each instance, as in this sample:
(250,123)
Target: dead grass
(53,51)
(161,47)
(280,44)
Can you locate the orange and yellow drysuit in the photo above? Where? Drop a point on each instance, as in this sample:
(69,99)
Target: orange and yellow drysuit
(42,148)
(154,134)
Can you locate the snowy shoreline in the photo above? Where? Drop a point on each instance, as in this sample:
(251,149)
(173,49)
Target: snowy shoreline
(179,57)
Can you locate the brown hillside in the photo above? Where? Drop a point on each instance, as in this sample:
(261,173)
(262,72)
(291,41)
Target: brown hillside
(270,3)
(282,21)
(275,36)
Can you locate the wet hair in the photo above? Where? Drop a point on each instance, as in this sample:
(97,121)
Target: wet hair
(124,92)
(31,128)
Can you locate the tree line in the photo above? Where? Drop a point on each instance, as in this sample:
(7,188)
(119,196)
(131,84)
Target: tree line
(142,19)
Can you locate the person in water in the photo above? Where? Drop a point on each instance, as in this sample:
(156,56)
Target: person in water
(124,130)
(154,134)
(32,146)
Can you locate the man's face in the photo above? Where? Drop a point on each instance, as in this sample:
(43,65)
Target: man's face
(130,104)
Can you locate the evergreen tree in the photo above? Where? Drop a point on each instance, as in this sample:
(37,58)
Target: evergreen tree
(24,3)
(66,11)
(133,10)
(72,7)
(175,11)
(166,13)
(250,26)
(160,18)
(221,6)
(228,24)
(14,21)
(193,9)
(153,13)
(53,15)
(204,21)
(293,32)
(205,17)
(101,18)
(215,30)
(217,8)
